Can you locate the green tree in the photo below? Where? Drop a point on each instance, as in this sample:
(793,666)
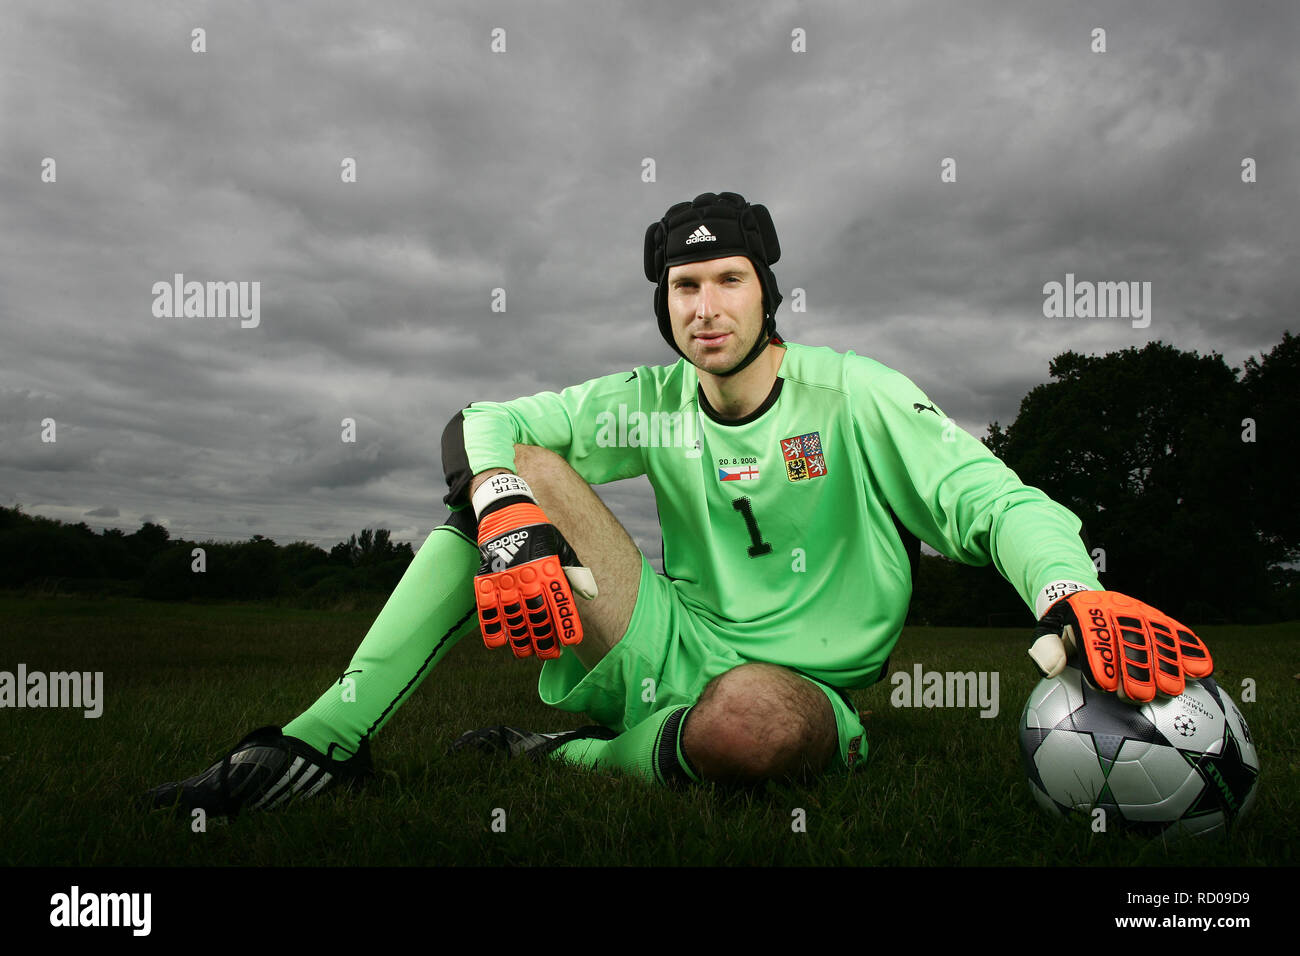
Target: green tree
(1272,404)
(150,540)
(371,548)
(1145,446)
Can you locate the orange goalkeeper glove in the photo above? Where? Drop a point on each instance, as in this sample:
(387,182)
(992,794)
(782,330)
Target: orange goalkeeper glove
(524,586)
(1128,647)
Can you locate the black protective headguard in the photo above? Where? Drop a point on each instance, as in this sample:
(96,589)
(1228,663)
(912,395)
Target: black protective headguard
(714,226)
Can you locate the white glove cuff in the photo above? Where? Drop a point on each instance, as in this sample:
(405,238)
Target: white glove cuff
(503,485)
(1053,592)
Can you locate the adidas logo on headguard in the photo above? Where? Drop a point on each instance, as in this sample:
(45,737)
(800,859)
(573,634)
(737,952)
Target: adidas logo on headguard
(701,234)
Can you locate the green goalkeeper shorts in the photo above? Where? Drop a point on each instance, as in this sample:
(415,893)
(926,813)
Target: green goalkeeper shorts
(665,659)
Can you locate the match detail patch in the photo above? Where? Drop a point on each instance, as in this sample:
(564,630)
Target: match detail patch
(738,473)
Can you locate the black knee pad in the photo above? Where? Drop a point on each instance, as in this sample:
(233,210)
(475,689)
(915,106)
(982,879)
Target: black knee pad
(464,522)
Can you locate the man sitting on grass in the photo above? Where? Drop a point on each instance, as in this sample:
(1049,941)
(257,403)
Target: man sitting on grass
(793,486)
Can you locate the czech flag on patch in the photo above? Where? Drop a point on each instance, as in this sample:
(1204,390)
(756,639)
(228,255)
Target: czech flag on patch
(739,473)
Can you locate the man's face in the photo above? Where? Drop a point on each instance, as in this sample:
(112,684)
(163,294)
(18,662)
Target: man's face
(716,309)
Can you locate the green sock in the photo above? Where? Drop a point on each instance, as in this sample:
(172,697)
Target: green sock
(431,609)
(652,750)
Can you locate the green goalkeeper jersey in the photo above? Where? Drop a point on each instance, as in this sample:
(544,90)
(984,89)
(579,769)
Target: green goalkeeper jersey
(779,529)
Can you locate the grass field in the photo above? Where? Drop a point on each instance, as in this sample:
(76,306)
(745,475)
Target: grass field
(183,682)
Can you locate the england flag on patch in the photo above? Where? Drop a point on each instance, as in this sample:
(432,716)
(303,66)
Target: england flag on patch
(741,473)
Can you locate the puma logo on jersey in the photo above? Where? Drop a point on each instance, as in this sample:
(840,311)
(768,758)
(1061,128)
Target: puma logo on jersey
(925,408)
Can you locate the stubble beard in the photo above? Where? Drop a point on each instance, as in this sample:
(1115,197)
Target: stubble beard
(720,363)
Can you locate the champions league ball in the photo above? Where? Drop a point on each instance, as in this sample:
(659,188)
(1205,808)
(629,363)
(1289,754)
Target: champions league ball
(1175,767)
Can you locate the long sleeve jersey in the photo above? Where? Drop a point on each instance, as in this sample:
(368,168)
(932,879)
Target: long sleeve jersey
(781,529)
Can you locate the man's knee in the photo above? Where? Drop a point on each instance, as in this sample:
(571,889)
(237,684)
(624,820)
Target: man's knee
(597,538)
(757,722)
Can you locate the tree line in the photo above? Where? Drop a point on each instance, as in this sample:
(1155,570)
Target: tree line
(42,554)
(1180,467)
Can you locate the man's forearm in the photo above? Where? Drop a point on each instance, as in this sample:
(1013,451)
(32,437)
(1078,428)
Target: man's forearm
(1037,543)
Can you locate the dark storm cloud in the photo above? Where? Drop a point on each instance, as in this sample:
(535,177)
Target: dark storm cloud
(522,171)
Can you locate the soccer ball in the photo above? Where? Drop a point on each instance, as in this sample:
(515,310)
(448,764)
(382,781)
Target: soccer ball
(1175,767)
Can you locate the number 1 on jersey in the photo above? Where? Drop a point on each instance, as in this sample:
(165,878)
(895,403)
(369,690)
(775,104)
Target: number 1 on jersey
(758,546)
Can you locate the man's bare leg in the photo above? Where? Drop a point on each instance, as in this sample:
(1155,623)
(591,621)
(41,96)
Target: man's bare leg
(430,610)
(755,722)
(433,606)
(600,542)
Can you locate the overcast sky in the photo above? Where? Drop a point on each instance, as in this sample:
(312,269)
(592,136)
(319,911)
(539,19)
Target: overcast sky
(525,170)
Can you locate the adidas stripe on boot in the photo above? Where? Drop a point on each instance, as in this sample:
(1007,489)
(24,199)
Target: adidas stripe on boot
(264,770)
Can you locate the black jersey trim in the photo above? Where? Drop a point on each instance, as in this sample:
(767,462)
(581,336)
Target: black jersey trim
(463,523)
(455,463)
(711,413)
(911,545)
